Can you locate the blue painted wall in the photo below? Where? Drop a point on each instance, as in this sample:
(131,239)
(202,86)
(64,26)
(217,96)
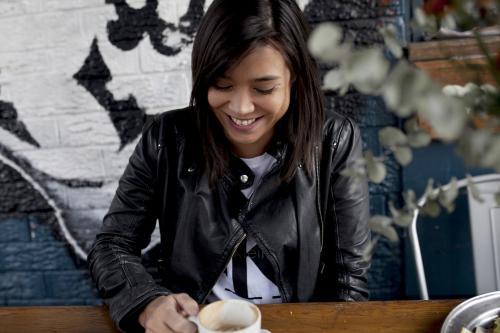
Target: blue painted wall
(446,240)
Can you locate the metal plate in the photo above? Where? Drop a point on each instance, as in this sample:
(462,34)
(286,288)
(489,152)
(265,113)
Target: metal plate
(477,311)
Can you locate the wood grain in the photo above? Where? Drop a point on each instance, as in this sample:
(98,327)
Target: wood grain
(454,61)
(393,316)
(458,48)
(55,319)
(387,317)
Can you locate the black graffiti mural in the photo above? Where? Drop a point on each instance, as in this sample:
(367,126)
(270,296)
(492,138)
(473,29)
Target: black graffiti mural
(10,123)
(134,24)
(127,117)
(126,32)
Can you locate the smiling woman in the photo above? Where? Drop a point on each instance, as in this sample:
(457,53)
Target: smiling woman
(245,183)
(250,99)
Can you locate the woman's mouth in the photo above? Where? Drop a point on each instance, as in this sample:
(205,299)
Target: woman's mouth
(243,122)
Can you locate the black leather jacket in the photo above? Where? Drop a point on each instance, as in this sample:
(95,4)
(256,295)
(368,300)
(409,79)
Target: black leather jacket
(312,230)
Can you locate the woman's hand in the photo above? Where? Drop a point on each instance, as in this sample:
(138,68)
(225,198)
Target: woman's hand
(167,314)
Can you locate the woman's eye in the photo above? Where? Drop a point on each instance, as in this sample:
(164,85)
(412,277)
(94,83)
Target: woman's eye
(222,87)
(265,91)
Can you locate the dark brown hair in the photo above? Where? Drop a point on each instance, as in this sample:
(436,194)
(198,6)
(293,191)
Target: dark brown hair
(228,30)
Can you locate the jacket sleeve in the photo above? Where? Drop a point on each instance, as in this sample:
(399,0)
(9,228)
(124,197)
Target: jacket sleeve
(349,212)
(115,258)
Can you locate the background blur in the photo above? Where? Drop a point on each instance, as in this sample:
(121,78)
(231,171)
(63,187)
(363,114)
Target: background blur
(77,81)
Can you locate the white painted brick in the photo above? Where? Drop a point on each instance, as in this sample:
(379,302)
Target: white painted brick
(153,61)
(153,91)
(12,142)
(116,161)
(22,33)
(84,224)
(94,21)
(49,111)
(80,162)
(57,91)
(118,61)
(18,7)
(63,29)
(57,191)
(137,4)
(161,110)
(4,91)
(67,61)
(14,64)
(94,3)
(87,129)
(168,11)
(63,5)
(183,5)
(91,198)
(43,130)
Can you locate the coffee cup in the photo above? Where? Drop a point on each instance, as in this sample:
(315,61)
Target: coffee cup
(235,316)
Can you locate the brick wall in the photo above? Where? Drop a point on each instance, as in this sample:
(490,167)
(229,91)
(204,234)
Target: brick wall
(77,80)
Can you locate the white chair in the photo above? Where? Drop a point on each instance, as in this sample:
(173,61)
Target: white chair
(485,230)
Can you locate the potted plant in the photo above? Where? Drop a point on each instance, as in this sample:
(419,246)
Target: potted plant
(451,112)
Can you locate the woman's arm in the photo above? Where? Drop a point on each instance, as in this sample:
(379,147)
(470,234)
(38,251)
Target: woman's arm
(347,234)
(115,259)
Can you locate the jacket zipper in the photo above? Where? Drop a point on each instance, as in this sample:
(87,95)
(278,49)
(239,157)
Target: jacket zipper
(274,261)
(238,243)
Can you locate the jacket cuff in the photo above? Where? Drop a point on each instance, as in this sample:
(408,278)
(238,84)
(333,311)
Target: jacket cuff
(125,311)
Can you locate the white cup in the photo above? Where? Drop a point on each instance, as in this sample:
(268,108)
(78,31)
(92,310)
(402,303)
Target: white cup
(235,316)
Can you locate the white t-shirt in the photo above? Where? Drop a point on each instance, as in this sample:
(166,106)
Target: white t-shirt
(248,275)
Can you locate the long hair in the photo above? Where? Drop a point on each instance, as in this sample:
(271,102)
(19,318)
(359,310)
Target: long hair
(229,30)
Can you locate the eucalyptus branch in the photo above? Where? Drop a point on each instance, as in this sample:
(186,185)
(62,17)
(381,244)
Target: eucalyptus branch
(491,63)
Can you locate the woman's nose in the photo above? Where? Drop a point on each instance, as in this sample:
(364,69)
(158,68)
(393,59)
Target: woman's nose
(241,103)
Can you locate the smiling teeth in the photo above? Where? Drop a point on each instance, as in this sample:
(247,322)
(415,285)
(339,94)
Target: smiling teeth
(245,122)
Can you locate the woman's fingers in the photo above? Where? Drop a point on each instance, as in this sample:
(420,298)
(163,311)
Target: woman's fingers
(177,322)
(167,314)
(187,304)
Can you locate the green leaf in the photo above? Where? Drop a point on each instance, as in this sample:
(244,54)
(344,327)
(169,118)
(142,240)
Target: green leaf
(392,136)
(429,192)
(448,22)
(448,195)
(375,168)
(472,144)
(403,155)
(382,225)
(419,139)
(491,155)
(410,199)
(324,43)
(389,33)
(405,87)
(496,325)
(425,23)
(473,190)
(497,198)
(431,208)
(411,125)
(402,218)
(334,80)
(366,69)
(368,251)
(446,115)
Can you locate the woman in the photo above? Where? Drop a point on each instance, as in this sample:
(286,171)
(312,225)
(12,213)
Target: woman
(245,183)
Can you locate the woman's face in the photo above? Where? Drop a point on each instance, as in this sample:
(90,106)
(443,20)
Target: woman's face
(250,98)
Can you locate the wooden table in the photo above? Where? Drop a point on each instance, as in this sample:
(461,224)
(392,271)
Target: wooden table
(387,317)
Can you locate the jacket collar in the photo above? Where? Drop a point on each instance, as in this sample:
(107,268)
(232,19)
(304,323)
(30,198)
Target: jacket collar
(239,174)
